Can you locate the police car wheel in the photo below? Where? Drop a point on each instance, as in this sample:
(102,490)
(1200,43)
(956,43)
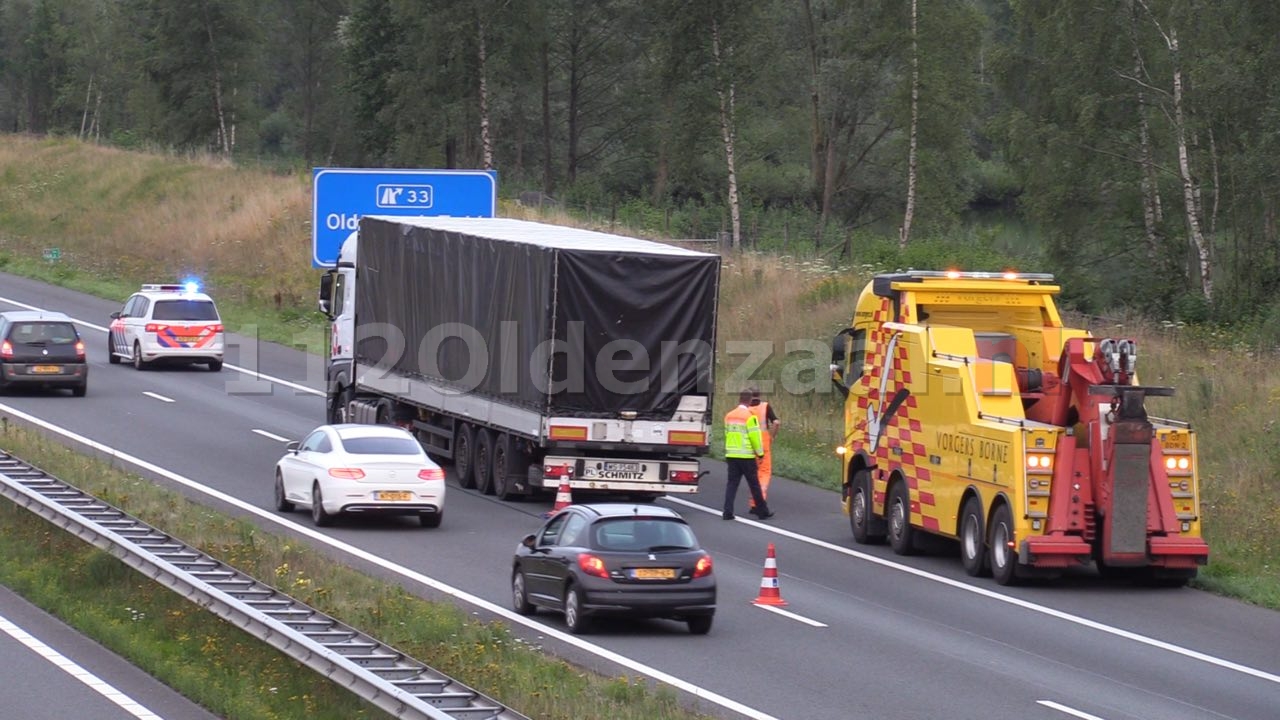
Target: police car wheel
(138,363)
(112,357)
(215,365)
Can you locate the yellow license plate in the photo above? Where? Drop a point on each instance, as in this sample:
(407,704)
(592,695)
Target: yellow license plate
(188,338)
(1177,441)
(46,369)
(395,495)
(654,573)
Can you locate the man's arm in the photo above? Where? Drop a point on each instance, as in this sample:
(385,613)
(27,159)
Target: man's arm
(771,421)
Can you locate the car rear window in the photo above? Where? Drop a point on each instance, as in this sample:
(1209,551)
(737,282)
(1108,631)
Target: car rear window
(640,534)
(381,446)
(184,310)
(43,333)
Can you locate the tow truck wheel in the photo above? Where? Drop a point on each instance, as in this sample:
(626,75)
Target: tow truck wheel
(463,457)
(901,534)
(973,539)
(860,518)
(484,461)
(1003,559)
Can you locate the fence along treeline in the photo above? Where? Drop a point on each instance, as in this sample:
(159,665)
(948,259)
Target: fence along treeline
(1139,138)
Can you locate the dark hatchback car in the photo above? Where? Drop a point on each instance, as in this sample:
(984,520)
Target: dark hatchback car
(616,559)
(42,350)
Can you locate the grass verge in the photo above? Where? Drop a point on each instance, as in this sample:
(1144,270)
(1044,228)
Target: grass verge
(227,671)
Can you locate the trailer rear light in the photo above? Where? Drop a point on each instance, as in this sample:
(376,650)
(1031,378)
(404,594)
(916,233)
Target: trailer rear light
(156,327)
(703,568)
(346,473)
(431,474)
(556,471)
(686,437)
(684,476)
(1039,463)
(592,565)
(568,432)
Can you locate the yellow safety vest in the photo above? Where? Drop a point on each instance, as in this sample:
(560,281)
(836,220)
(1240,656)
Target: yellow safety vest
(742,434)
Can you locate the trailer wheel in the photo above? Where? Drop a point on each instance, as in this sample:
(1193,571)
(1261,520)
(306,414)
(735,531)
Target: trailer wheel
(973,539)
(1003,559)
(463,456)
(902,536)
(866,529)
(484,461)
(504,455)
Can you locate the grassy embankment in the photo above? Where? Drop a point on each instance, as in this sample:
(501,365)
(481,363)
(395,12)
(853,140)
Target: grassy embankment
(126,218)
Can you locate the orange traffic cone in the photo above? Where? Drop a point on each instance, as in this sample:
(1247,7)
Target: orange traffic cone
(564,498)
(769,593)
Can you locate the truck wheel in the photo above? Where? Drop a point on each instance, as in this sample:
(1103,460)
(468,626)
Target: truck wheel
(867,529)
(902,536)
(463,456)
(484,461)
(1003,559)
(973,539)
(339,406)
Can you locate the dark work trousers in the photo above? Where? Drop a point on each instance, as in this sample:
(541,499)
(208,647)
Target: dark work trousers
(738,469)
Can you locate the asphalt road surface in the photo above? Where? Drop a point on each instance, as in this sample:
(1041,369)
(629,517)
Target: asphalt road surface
(865,634)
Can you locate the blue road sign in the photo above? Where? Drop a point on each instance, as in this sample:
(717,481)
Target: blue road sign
(341,196)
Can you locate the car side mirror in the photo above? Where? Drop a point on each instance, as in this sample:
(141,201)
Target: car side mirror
(116,315)
(292,447)
(530,541)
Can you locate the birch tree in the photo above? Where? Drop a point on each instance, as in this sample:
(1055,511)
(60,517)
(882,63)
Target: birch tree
(725,92)
(904,233)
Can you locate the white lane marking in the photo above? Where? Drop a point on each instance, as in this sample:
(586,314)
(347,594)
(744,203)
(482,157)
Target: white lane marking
(271,436)
(157,396)
(991,594)
(1068,710)
(126,703)
(635,665)
(237,368)
(793,616)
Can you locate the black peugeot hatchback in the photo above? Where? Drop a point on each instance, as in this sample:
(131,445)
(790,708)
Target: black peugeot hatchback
(615,559)
(42,350)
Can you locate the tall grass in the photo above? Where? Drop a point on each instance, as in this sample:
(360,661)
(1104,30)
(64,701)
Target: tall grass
(139,217)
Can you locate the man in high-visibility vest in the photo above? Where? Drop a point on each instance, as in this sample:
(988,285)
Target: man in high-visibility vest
(768,431)
(742,446)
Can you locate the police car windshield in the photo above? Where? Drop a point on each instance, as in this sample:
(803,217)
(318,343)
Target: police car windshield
(381,446)
(184,310)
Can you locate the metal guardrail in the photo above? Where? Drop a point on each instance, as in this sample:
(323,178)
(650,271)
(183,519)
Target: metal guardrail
(380,674)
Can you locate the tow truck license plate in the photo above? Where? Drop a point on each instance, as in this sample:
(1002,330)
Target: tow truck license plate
(622,467)
(654,573)
(46,369)
(1176,441)
(394,495)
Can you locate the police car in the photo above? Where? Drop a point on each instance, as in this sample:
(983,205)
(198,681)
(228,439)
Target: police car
(169,323)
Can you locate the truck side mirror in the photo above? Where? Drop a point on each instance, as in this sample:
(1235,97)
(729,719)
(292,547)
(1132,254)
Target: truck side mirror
(326,294)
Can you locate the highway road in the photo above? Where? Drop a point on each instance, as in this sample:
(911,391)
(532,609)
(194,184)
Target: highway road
(51,671)
(866,634)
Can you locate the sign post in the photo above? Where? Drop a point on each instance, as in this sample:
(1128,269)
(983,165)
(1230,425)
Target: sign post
(341,196)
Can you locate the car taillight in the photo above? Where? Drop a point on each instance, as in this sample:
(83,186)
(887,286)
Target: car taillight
(703,568)
(346,473)
(80,350)
(431,474)
(592,565)
(684,476)
(216,328)
(156,327)
(6,349)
